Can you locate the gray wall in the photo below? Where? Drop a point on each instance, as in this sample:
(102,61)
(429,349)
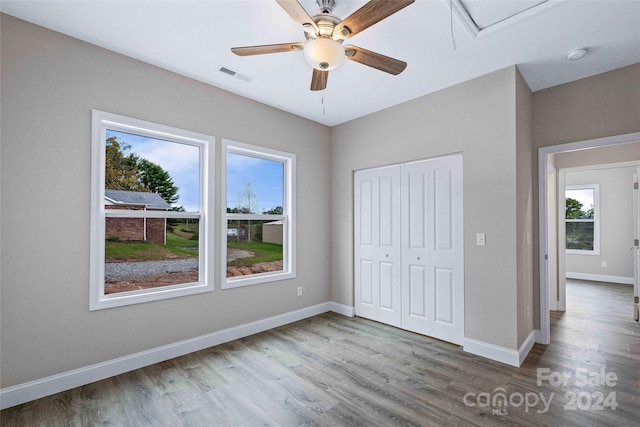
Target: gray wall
(616,222)
(603,105)
(524,200)
(478,119)
(50,83)
(598,156)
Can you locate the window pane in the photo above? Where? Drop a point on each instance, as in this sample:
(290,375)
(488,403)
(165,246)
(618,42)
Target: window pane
(143,253)
(254,247)
(254,185)
(580,203)
(151,173)
(580,235)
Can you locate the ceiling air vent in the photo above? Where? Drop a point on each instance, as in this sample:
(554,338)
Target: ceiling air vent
(235,74)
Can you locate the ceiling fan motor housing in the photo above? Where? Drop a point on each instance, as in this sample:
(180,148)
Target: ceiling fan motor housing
(325,23)
(326,6)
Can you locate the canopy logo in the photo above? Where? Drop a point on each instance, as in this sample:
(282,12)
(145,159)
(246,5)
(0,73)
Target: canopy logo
(499,401)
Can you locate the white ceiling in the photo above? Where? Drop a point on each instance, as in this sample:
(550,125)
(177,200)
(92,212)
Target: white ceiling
(194,38)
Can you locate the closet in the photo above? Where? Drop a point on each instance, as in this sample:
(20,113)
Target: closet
(408,241)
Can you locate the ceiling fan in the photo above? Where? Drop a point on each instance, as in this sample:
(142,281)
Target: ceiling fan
(325,34)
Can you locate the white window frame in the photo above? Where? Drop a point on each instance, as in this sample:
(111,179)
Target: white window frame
(101,122)
(288,215)
(595,220)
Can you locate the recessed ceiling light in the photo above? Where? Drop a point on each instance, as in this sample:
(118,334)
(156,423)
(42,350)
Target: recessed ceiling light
(576,54)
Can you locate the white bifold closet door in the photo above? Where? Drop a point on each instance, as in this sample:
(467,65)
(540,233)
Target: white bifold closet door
(409,246)
(377,236)
(432,248)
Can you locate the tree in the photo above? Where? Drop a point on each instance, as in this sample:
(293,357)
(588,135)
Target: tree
(157,180)
(121,170)
(248,199)
(130,172)
(237,210)
(275,211)
(573,209)
(589,213)
(248,203)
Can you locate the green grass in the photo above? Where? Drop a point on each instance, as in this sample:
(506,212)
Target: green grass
(264,252)
(173,240)
(176,248)
(191,227)
(147,251)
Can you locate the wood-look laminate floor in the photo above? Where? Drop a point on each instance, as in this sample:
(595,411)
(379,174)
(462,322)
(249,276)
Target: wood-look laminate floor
(338,371)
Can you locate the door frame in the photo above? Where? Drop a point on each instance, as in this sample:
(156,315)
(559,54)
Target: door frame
(544,337)
(636,247)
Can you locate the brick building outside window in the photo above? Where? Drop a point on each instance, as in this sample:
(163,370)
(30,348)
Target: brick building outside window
(136,229)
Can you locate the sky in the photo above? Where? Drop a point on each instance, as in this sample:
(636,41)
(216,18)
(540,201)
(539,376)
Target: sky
(265,176)
(181,161)
(583,196)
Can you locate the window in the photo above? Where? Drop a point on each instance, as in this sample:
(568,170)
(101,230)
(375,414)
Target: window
(582,219)
(259,212)
(150,230)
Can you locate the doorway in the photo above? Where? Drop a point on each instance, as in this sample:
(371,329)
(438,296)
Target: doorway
(546,171)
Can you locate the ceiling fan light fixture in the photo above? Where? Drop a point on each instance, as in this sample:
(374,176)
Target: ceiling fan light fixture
(324,53)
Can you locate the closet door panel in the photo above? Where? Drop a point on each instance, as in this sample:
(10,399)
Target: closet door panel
(446,255)
(377,244)
(388,250)
(415,261)
(418,292)
(386,286)
(366,282)
(444,296)
(385,210)
(364,244)
(416,208)
(442,207)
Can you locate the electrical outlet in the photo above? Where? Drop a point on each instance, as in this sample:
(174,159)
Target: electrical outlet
(299,291)
(528,311)
(604,264)
(481,239)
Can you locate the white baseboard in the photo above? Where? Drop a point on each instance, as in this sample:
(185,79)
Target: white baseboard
(600,278)
(345,310)
(526,347)
(500,354)
(26,392)
(538,336)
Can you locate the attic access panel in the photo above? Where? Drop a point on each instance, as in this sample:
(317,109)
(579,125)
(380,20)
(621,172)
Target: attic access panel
(480,16)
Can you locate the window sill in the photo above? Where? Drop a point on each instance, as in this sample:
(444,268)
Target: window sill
(255,279)
(579,252)
(138,297)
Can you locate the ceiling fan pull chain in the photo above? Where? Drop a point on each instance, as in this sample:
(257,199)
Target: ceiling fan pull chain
(453,40)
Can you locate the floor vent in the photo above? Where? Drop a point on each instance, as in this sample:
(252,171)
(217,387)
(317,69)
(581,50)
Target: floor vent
(235,74)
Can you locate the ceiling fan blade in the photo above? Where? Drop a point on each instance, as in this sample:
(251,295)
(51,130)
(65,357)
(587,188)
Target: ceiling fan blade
(375,60)
(319,79)
(369,14)
(267,48)
(297,13)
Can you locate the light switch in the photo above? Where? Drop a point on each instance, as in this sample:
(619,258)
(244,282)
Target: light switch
(480,239)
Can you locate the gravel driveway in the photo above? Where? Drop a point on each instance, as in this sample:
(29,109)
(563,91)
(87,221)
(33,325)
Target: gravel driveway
(117,271)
